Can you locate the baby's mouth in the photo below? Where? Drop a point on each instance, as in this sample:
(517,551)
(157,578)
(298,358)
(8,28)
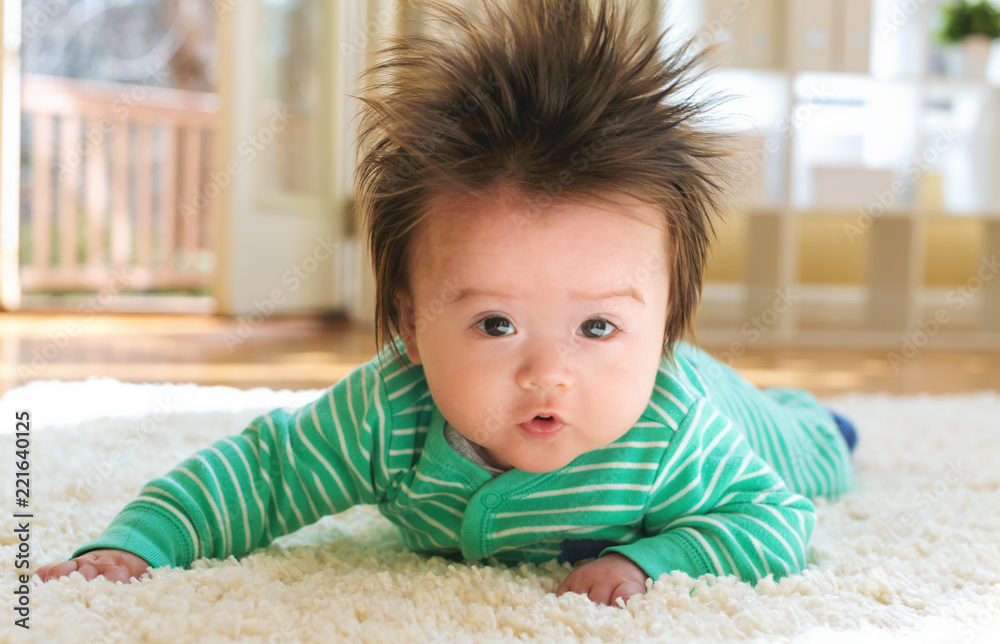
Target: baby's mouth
(543,426)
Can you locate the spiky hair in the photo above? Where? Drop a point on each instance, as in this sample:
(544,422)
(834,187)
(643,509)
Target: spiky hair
(565,100)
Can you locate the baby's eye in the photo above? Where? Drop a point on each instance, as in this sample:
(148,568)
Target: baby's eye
(596,328)
(494,323)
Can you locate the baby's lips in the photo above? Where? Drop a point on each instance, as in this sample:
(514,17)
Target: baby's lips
(554,417)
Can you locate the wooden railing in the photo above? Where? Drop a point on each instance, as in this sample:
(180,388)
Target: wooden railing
(112,192)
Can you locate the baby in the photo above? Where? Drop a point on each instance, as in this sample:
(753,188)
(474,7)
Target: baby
(538,187)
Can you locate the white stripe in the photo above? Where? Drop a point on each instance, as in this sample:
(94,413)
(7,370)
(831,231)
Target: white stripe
(322,492)
(400,392)
(403,368)
(764,471)
(776,535)
(384,441)
(589,488)
(253,484)
(781,518)
(239,493)
(413,495)
(682,407)
(685,439)
(327,465)
(582,508)
(573,529)
(415,408)
(720,571)
(424,477)
(198,551)
(343,444)
(660,444)
(295,469)
(273,490)
(679,494)
(431,521)
(291,502)
(710,490)
(215,508)
(664,415)
(722,524)
(418,533)
(617,465)
(759,546)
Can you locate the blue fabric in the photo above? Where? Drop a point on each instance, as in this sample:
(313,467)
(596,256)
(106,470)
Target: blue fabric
(574,550)
(847,429)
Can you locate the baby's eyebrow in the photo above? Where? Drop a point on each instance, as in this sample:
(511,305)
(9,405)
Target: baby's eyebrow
(629,292)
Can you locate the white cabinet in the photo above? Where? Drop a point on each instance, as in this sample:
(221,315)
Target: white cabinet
(811,34)
(873,194)
(854,36)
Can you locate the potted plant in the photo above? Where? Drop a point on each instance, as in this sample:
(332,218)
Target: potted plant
(972,26)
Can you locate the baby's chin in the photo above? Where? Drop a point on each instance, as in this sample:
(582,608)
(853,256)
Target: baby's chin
(539,465)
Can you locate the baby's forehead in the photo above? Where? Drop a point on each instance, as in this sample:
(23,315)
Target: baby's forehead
(455,229)
(452,212)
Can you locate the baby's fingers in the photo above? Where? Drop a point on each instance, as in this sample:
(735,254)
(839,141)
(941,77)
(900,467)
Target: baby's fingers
(111,573)
(54,571)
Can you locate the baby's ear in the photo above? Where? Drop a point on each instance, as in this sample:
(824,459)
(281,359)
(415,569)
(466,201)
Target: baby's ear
(408,326)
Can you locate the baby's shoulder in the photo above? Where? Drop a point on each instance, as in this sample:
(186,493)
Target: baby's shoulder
(679,390)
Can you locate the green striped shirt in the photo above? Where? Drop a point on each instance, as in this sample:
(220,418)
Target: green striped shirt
(712,478)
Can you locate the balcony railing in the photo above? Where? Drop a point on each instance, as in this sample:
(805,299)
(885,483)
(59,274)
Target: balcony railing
(112,180)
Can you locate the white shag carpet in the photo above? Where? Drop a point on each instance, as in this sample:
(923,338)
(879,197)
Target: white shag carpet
(912,555)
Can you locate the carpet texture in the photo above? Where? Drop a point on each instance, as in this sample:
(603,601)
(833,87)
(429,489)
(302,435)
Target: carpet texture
(912,555)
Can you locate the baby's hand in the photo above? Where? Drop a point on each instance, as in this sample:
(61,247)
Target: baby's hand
(606,579)
(113,565)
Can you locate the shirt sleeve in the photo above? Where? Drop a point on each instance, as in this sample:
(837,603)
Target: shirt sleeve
(718,508)
(284,471)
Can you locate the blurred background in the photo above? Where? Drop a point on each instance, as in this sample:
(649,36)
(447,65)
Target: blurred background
(176,190)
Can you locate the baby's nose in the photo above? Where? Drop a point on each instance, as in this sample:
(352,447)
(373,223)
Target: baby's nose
(546,367)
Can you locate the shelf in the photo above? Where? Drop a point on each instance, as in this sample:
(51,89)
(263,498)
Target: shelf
(867,134)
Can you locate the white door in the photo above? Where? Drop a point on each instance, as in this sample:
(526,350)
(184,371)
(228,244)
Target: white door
(281,177)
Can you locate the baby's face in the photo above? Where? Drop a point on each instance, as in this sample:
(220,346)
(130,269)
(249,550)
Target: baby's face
(517,317)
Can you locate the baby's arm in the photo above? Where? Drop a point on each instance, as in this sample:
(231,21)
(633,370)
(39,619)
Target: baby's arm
(720,509)
(283,472)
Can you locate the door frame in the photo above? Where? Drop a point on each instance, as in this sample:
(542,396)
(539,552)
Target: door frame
(10,157)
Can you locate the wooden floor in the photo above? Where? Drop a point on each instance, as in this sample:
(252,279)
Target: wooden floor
(312,353)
